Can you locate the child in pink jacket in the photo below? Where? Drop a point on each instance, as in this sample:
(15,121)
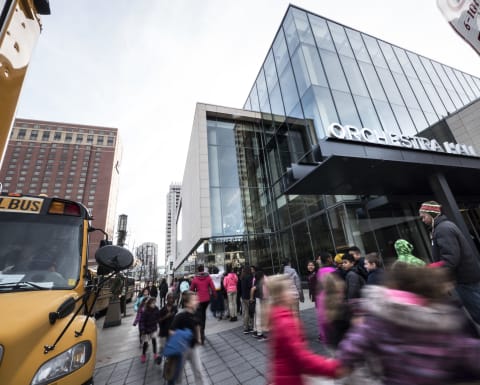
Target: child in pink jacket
(290,355)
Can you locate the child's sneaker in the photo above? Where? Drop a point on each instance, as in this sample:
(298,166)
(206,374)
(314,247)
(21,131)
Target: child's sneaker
(157,359)
(143,358)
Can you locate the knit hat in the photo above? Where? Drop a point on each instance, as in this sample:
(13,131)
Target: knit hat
(432,208)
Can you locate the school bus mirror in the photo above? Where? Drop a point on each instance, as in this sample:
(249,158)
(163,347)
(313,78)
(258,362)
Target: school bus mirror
(115,258)
(63,310)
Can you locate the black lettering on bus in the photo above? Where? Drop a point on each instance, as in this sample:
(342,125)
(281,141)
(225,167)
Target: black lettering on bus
(14,203)
(35,206)
(25,205)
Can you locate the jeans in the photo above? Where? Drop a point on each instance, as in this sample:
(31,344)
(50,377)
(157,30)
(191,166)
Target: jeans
(202,309)
(247,320)
(193,356)
(232,304)
(469,294)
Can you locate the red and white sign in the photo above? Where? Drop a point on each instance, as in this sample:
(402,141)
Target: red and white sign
(463,16)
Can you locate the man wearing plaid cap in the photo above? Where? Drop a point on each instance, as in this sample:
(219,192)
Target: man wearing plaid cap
(451,250)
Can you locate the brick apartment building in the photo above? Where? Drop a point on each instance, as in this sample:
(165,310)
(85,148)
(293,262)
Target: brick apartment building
(72,161)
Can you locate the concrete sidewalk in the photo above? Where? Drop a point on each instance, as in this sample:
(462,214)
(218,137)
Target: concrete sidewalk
(229,357)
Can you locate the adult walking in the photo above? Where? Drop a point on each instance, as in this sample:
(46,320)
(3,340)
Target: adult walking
(230,283)
(202,284)
(163,292)
(451,249)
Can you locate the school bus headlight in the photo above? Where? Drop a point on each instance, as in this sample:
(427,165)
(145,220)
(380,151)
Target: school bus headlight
(63,364)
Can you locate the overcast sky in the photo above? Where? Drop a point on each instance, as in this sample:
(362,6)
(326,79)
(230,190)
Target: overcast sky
(142,65)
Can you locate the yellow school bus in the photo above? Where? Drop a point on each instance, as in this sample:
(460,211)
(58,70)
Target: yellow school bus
(47,333)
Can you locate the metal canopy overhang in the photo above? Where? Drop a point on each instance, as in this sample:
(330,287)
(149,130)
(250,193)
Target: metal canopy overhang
(364,169)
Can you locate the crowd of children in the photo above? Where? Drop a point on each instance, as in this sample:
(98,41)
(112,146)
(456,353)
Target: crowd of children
(396,323)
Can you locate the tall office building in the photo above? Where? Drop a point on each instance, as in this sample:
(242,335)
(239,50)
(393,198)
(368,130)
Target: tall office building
(341,137)
(67,160)
(173,200)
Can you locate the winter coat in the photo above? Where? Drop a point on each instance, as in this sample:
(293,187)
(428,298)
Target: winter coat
(296,284)
(450,246)
(290,354)
(360,269)
(376,277)
(312,285)
(149,320)
(415,342)
(230,282)
(163,289)
(354,283)
(202,284)
(246,285)
(404,252)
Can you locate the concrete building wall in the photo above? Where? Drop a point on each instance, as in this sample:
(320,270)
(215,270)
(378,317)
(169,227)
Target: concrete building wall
(465,125)
(195,195)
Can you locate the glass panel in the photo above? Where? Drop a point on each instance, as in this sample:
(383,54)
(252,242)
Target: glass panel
(324,110)
(282,209)
(254,99)
(373,84)
(301,71)
(404,120)
(358,45)
(408,96)
(262,93)
(270,72)
(340,39)
(296,207)
(418,119)
(354,76)
(322,239)
(456,84)
(289,89)
(448,84)
(437,103)
(374,51)
(386,116)
(227,162)
(215,211)
(405,63)
(276,101)
(248,104)
(464,84)
(421,95)
(290,31)
(421,73)
(280,51)
(477,82)
(321,33)
(389,86)
(346,108)
(232,211)
(367,112)
(444,96)
(472,84)
(303,27)
(335,75)
(224,134)
(213,166)
(338,221)
(314,66)
(390,57)
(303,248)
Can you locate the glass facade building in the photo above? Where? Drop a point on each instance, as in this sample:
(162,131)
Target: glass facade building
(317,72)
